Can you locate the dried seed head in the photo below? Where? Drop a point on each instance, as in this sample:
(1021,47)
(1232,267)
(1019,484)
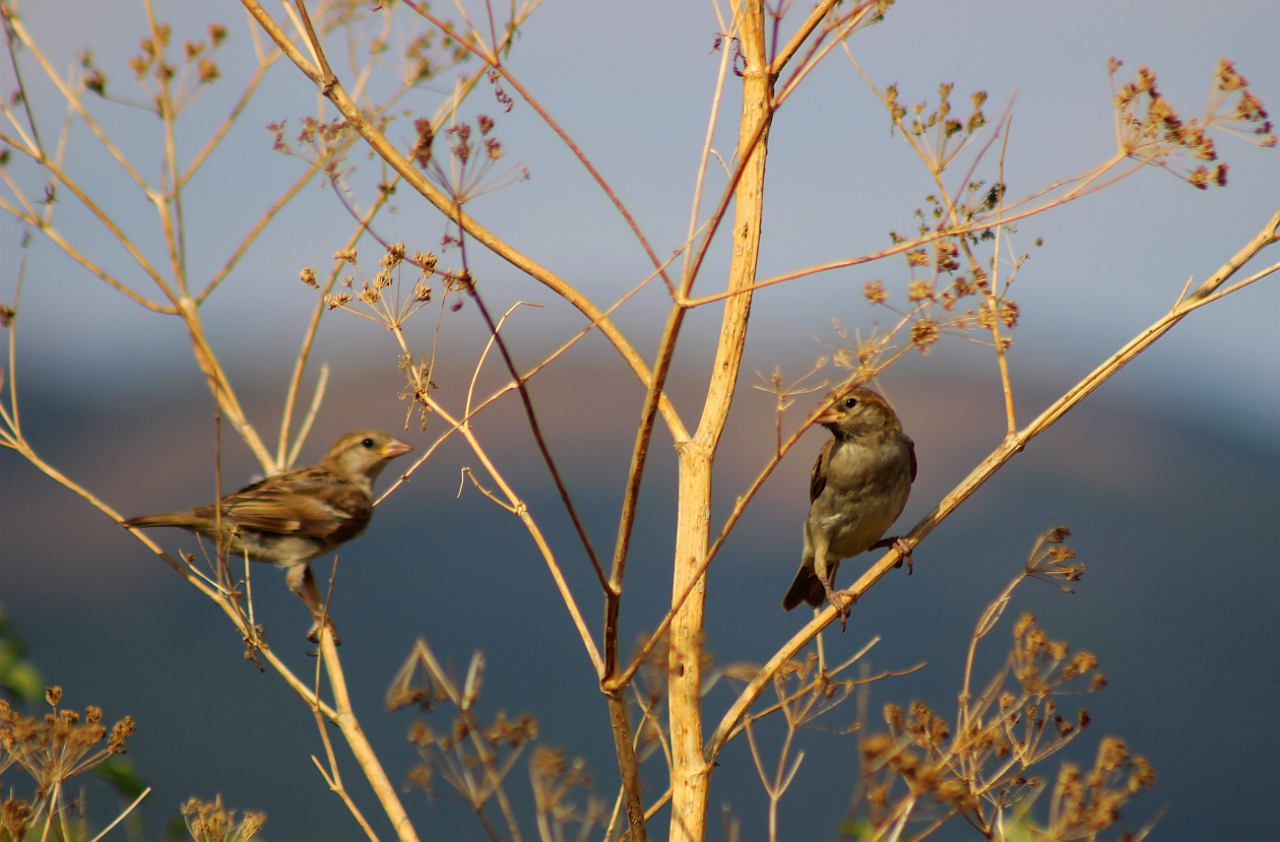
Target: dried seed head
(121,731)
(426,261)
(919,290)
(1024,623)
(925,332)
(874,292)
(308,277)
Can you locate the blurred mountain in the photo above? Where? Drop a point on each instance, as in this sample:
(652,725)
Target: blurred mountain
(1173,516)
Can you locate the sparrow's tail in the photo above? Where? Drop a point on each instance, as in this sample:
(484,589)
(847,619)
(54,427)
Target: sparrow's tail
(807,587)
(182,520)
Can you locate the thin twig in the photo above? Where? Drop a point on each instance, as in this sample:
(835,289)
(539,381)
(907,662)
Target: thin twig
(379,143)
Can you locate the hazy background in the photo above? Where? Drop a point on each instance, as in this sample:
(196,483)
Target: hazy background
(1167,476)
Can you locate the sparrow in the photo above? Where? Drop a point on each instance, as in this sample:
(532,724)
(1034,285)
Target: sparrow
(859,486)
(290,518)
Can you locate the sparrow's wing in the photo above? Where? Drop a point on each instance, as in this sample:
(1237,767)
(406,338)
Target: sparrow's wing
(818,479)
(311,503)
(911,449)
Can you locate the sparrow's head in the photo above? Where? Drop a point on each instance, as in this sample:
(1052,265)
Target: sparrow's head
(859,413)
(361,455)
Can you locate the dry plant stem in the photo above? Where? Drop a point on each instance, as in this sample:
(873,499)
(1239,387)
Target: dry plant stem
(384,149)
(74,101)
(300,365)
(806,29)
(656,390)
(474,410)
(36,221)
(6,15)
(491,58)
(122,816)
(980,223)
(169,202)
(250,89)
(221,387)
(739,507)
(250,238)
(628,767)
(334,779)
(1001,356)
(691,773)
(350,727)
(182,304)
(522,511)
(536,429)
(1012,445)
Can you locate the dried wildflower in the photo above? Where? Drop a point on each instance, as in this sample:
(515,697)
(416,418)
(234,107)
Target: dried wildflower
(925,332)
(347,255)
(421,151)
(1009,314)
(1152,131)
(426,262)
(209,821)
(917,257)
(945,253)
(7,315)
(208,71)
(920,290)
(339,300)
(874,292)
(308,277)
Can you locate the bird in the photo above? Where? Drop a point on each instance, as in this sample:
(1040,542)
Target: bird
(290,518)
(859,486)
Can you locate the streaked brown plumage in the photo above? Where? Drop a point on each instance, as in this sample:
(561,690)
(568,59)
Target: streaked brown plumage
(290,518)
(859,486)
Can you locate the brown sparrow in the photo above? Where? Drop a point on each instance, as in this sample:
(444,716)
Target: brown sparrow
(857,490)
(290,518)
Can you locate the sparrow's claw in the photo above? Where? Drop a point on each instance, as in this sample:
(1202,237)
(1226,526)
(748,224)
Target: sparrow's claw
(903,546)
(904,552)
(313,634)
(837,601)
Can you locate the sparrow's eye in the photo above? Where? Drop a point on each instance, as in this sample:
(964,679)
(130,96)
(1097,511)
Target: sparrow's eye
(850,403)
(368,442)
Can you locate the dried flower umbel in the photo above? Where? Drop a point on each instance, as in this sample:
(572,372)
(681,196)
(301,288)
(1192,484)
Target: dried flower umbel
(924,770)
(471,758)
(1150,129)
(52,750)
(209,821)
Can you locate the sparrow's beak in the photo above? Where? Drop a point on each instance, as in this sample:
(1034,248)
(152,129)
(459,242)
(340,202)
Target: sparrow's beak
(394,448)
(829,417)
